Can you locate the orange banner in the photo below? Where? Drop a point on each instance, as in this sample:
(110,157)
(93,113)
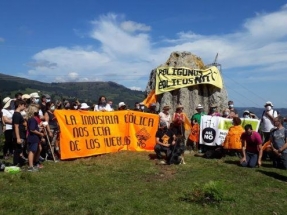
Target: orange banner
(87,133)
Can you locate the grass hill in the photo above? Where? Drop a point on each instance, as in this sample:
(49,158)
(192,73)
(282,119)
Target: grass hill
(84,91)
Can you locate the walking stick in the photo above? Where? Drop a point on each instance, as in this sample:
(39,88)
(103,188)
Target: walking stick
(48,139)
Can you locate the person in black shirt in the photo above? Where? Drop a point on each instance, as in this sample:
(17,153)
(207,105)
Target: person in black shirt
(165,138)
(19,131)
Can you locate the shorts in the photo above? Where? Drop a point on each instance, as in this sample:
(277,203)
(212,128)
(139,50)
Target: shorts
(32,147)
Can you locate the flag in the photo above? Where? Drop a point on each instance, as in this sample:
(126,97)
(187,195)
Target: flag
(151,98)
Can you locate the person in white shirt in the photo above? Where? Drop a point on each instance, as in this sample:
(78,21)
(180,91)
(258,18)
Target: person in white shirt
(102,105)
(7,114)
(164,115)
(267,120)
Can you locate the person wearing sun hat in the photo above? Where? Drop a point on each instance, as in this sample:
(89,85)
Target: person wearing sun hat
(193,139)
(178,120)
(84,106)
(164,115)
(267,120)
(7,114)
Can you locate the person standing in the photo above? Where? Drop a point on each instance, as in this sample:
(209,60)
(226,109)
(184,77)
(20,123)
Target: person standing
(267,120)
(7,114)
(164,116)
(19,132)
(103,105)
(193,138)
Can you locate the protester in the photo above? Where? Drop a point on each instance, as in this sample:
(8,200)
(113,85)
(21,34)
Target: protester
(232,143)
(137,106)
(152,109)
(164,139)
(67,105)
(192,142)
(278,138)
(122,106)
(268,116)
(213,111)
(165,116)
(19,133)
(231,108)
(7,114)
(178,120)
(110,102)
(84,106)
(18,96)
(103,105)
(54,129)
(34,137)
(226,113)
(142,107)
(251,146)
(44,99)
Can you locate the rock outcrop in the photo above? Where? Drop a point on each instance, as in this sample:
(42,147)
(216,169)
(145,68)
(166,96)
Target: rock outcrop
(189,97)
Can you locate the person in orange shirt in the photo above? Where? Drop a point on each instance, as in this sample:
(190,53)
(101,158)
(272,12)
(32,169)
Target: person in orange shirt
(232,142)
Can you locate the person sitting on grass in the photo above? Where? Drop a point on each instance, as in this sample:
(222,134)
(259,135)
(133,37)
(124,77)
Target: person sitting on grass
(251,145)
(164,139)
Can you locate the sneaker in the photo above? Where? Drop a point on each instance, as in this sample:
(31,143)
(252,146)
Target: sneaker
(32,169)
(39,166)
(41,159)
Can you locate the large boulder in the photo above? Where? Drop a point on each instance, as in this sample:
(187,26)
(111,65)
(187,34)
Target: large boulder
(189,97)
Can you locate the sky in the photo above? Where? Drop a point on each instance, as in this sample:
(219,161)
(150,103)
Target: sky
(122,41)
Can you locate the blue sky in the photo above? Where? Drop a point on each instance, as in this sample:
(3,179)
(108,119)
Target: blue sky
(122,41)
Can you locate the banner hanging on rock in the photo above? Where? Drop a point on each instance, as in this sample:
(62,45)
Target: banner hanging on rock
(213,129)
(86,133)
(171,78)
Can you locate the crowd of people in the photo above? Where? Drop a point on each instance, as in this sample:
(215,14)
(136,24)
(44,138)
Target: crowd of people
(32,133)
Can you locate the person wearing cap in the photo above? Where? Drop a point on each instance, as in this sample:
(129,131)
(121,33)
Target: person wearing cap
(84,106)
(122,106)
(165,138)
(164,115)
(248,114)
(152,109)
(193,139)
(34,98)
(196,118)
(7,114)
(267,120)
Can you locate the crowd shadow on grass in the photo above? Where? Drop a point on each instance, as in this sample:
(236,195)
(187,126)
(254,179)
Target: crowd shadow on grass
(274,175)
(234,162)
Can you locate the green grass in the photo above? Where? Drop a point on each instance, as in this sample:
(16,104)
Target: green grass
(130,183)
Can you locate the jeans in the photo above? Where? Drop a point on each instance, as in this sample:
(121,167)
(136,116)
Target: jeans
(159,148)
(281,161)
(251,160)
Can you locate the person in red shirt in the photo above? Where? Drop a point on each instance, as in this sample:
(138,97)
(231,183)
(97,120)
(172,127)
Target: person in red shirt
(251,145)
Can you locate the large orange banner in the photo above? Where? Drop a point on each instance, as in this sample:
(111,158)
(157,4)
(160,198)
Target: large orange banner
(86,133)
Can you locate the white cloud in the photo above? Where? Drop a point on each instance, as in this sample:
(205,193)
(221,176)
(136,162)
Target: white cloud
(73,75)
(127,54)
(131,26)
(136,88)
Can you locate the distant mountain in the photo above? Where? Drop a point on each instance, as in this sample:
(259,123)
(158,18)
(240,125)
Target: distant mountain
(258,111)
(84,91)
